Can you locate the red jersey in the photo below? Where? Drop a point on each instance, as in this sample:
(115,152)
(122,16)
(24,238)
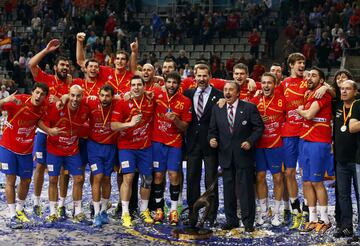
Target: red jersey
(137,137)
(273,111)
(164,130)
(319,128)
(56,87)
(247,95)
(90,88)
(100,122)
(65,144)
(120,82)
(294,90)
(19,129)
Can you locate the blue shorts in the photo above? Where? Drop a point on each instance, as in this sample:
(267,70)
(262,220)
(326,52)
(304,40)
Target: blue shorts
(39,150)
(101,157)
(330,170)
(136,159)
(83,151)
(166,157)
(71,163)
(316,157)
(16,164)
(291,151)
(269,159)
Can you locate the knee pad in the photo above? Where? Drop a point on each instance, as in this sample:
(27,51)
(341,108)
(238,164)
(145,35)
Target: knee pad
(146,181)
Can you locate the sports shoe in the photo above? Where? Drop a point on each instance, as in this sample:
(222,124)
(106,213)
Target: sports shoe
(52,218)
(287,217)
(109,205)
(309,226)
(104,217)
(62,213)
(179,208)
(81,218)
(92,210)
(126,220)
(97,221)
(117,211)
(15,223)
(276,220)
(146,217)
(264,217)
(345,232)
(174,218)
(303,221)
(321,227)
(21,215)
(159,216)
(296,220)
(37,211)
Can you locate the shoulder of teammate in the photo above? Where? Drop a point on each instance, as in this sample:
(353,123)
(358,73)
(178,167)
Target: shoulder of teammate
(255,100)
(41,76)
(218,83)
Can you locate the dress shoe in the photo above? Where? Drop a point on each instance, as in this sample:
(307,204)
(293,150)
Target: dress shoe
(229,226)
(249,229)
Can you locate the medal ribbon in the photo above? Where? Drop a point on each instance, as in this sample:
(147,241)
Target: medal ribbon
(141,102)
(107,115)
(70,120)
(346,116)
(266,106)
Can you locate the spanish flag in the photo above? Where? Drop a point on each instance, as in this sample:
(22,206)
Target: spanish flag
(5,45)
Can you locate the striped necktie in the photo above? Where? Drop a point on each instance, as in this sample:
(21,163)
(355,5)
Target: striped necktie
(231,118)
(200,105)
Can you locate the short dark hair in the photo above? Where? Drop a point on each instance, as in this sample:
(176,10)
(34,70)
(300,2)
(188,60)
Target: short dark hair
(137,77)
(241,66)
(60,58)
(321,72)
(108,87)
(276,64)
(268,74)
(343,71)
(174,75)
(170,60)
(237,85)
(91,60)
(202,66)
(44,87)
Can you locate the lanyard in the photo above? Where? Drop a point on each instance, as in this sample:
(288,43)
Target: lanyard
(70,120)
(137,105)
(266,106)
(107,115)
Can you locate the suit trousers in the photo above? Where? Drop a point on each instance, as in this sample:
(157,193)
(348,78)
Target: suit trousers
(193,177)
(242,179)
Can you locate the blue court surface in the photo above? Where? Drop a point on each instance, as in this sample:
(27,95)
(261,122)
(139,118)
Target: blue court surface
(68,233)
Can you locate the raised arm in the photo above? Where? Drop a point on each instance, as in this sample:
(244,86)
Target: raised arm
(53,45)
(80,54)
(134,46)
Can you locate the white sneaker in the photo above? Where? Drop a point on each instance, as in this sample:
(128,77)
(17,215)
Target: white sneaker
(276,220)
(261,218)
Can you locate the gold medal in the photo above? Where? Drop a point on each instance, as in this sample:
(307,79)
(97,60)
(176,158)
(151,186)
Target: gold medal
(343,128)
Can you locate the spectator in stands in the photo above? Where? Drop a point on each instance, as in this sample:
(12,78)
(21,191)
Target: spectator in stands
(339,44)
(314,17)
(258,70)
(288,49)
(290,30)
(170,56)
(230,62)
(232,24)
(3,92)
(335,31)
(91,41)
(195,31)
(220,72)
(300,40)
(332,17)
(182,60)
(272,35)
(309,51)
(345,16)
(353,39)
(323,46)
(254,42)
(188,72)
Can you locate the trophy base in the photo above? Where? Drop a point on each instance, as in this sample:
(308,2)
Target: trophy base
(192,234)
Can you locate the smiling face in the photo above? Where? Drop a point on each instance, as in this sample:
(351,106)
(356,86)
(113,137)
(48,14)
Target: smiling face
(168,67)
(267,85)
(277,71)
(298,68)
(137,87)
(62,69)
(148,72)
(120,61)
(105,97)
(171,86)
(92,69)
(231,92)
(202,78)
(313,80)
(75,97)
(37,96)
(240,75)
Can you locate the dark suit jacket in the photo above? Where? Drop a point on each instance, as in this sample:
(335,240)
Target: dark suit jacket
(198,130)
(248,126)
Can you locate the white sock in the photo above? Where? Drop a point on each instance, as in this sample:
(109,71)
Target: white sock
(77,207)
(104,204)
(36,200)
(144,205)
(313,214)
(125,207)
(52,208)
(20,205)
(180,201)
(277,206)
(12,209)
(305,202)
(174,205)
(286,205)
(263,205)
(324,214)
(61,201)
(96,207)
(292,199)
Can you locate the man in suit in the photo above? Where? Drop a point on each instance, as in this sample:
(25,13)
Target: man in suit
(203,97)
(234,130)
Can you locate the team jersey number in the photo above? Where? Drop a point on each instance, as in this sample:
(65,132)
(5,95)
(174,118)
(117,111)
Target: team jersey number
(179,105)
